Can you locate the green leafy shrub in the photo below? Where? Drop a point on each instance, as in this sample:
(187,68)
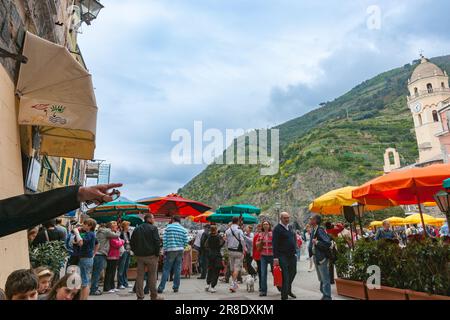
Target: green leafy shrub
(423,265)
(52,254)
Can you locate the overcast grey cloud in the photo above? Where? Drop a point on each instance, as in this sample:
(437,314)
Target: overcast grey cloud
(161,65)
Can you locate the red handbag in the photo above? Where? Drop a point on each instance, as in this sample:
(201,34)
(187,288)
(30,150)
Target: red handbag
(277,276)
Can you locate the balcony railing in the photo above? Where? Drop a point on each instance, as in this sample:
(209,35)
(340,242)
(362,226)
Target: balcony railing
(422,93)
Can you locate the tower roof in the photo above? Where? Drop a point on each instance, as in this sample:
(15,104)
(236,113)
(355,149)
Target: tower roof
(426,69)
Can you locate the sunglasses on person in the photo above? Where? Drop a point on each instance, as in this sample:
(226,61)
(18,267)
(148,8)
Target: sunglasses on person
(92,204)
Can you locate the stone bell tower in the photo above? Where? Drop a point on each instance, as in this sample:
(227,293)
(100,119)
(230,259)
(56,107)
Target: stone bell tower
(428,86)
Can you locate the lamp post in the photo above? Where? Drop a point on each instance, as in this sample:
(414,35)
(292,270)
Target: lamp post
(442,199)
(90,10)
(358,209)
(278,207)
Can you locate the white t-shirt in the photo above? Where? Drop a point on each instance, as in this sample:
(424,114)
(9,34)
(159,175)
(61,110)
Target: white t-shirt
(198,237)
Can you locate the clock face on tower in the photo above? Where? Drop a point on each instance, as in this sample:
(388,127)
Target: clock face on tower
(417,107)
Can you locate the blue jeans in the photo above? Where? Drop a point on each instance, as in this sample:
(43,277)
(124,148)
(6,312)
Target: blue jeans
(323,274)
(265,261)
(86,265)
(171,259)
(99,266)
(124,262)
(298,253)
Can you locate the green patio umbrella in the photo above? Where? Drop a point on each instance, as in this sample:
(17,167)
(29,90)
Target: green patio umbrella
(227,217)
(239,208)
(134,219)
(116,208)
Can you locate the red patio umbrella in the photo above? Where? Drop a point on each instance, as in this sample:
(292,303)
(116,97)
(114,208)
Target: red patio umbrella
(174,204)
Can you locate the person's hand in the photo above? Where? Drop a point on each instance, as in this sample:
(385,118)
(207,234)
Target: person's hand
(276,262)
(314,241)
(99,193)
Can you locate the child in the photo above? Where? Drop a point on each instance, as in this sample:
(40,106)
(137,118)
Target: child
(84,245)
(63,290)
(22,285)
(45,276)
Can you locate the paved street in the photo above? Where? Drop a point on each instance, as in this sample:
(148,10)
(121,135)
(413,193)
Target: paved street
(306,287)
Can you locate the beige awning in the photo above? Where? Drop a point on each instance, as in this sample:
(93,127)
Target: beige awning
(56,94)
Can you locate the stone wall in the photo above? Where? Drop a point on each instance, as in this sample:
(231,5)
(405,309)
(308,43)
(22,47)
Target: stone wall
(37,16)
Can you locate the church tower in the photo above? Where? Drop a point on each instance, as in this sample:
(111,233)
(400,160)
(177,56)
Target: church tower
(428,86)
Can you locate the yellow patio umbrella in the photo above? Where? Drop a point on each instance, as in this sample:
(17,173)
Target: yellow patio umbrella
(415,219)
(332,203)
(438,222)
(375,224)
(395,221)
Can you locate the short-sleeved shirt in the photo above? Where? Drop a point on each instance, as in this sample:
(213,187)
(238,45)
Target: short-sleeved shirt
(87,249)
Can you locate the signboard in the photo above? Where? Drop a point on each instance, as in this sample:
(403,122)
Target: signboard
(33,174)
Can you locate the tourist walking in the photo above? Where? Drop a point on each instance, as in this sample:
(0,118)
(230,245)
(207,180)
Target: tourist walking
(284,244)
(175,239)
(203,258)
(104,235)
(257,253)
(319,249)
(266,251)
(213,244)
(236,245)
(196,247)
(307,238)
(248,258)
(124,261)
(145,244)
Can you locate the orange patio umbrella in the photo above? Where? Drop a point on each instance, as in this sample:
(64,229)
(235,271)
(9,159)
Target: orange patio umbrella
(201,218)
(407,186)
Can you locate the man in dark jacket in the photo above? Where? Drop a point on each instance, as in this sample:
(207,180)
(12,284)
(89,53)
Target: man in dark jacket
(29,210)
(203,253)
(284,243)
(319,248)
(146,244)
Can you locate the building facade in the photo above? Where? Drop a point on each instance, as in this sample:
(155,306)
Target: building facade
(428,89)
(56,21)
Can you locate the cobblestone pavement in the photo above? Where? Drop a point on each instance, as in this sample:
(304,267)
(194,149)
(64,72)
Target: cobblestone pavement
(305,287)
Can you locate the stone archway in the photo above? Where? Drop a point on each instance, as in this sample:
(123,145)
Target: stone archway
(391,164)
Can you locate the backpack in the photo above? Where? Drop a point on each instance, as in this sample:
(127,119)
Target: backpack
(330,252)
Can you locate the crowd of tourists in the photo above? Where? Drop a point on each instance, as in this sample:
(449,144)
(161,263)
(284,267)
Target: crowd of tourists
(235,255)
(239,255)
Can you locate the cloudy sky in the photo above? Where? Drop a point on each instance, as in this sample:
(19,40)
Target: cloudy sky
(160,65)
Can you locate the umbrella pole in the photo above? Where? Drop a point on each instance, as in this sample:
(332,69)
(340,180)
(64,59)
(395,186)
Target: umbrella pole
(420,211)
(423,222)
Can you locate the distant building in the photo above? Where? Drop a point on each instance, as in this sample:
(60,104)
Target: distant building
(104,173)
(429,92)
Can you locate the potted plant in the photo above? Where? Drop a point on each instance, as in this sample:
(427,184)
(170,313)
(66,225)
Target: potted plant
(387,255)
(348,282)
(132,269)
(52,254)
(428,265)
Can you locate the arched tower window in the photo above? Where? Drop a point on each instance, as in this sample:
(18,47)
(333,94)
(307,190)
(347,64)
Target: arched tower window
(442,85)
(419,119)
(430,88)
(416,92)
(435,116)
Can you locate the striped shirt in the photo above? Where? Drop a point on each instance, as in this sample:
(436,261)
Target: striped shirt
(266,239)
(175,237)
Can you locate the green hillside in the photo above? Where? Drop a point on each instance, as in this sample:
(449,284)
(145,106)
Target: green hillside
(341,143)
